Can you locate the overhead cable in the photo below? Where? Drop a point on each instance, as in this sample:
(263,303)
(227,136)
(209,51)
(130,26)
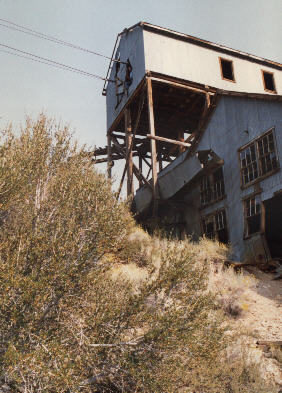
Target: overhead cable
(53,62)
(42,62)
(37,34)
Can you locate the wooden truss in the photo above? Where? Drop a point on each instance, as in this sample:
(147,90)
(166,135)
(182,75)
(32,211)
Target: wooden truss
(152,130)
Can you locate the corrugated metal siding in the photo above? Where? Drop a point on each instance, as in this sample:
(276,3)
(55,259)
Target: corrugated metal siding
(225,134)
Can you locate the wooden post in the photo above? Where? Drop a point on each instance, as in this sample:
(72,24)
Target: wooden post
(153,145)
(140,169)
(128,133)
(208,100)
(109,156)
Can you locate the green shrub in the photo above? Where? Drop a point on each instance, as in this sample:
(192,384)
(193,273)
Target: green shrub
(66,324)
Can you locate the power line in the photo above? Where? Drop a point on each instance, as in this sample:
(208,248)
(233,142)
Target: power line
(41,61)
(52,62)
(37,34)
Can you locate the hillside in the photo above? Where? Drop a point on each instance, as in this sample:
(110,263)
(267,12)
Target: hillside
(91,303)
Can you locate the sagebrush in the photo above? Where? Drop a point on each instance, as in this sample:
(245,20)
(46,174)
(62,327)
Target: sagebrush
(68,324)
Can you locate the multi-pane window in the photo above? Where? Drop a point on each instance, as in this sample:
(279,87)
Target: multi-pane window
(212,187)
(249,164)
(252,212)
(267,153)
(215,226)
(258,158)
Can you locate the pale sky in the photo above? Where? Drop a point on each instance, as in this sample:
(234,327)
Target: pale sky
(27,88)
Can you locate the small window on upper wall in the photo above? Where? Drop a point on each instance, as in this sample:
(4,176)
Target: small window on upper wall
(227,69)
(268,81)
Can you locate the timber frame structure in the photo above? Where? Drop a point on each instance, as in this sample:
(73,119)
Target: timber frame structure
(151,127)
(198,125)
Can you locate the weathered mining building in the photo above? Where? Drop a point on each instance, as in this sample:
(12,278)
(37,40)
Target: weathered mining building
(199,126)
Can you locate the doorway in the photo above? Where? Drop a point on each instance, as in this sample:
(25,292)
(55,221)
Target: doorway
(273,225)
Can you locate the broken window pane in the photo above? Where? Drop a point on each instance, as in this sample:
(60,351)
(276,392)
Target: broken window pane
(267,153)
(212,187)
(215,227)
(249,165)
(252,209)
(259,158)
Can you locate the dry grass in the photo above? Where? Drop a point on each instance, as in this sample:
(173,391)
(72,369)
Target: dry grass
(231,289)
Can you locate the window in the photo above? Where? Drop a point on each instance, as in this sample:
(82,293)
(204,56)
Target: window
(267,153)
(215,226)
(227,69)
(252,214)
(259,158)
(249,164)
(268,81)
(212,187)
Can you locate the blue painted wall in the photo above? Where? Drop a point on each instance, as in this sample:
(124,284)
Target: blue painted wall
(225,134)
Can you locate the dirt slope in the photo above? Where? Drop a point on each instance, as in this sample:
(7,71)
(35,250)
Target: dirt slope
(264,314)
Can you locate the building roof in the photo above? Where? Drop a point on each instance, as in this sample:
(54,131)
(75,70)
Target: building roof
(204,43)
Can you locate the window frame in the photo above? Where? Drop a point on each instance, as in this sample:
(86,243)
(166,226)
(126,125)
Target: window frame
(209,179)
(213,216)
(220,59)
(255,141)
(246,234)
(263,81)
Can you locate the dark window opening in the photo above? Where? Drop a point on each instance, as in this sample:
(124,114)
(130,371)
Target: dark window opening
(252,212)
(212,187)
(268,80)
(227,69)
(215,227)
(273,225)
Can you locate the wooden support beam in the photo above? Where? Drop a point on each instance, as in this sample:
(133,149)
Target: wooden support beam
(181,85)
(153,145)
(148,174)
(129,157)
(173,141)
(190,138)
(144,159)
(141,177)
(109,156)
(135,169)
(121,181)
(140,169)
(115,157)
(130,146)
(208,101)
(123,136)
